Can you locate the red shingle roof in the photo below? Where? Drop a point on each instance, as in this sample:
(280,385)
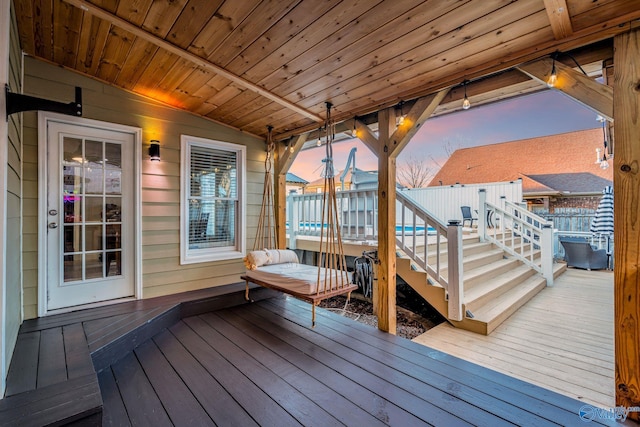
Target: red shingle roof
(573,152)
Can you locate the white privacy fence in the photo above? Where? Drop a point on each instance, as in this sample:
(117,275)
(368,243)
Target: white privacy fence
(444,202)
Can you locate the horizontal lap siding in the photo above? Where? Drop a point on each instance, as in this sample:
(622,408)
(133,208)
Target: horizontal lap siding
(160,183)
(12,234)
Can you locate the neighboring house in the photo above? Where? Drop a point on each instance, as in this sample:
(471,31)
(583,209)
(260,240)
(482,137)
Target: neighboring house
(557,171)
(295,184)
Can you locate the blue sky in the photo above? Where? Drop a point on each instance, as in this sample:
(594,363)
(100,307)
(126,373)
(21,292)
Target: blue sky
(543,113)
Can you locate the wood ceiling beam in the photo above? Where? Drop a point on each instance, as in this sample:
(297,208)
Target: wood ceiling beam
(559,18)
(588,92)
(200,62)
(422,109)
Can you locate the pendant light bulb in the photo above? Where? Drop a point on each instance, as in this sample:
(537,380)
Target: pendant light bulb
(465,103)
(553,77)
(604,164)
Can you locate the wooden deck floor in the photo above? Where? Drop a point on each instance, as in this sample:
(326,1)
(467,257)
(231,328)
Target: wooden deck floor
(261,364)
(561,340)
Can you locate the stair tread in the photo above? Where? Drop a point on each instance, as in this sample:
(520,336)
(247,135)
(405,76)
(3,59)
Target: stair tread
(481,289)
(478,271)
(499,305)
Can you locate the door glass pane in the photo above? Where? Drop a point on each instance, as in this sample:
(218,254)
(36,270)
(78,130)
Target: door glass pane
(72,268)
(92,209)
(93,237)
(114,263)
(94,266)
(94,179)
(113,207)
(113,237)
(72,204)
(72,238)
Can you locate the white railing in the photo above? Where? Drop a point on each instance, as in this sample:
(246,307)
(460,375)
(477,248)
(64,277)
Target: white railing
(430,249)
(431,244)
(358,215)
(520,233)
(444,201)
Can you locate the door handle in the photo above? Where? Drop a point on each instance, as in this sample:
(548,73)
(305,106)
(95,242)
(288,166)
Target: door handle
(53,225)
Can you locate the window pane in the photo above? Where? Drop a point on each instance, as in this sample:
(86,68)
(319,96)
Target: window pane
(211,224)
(213,172)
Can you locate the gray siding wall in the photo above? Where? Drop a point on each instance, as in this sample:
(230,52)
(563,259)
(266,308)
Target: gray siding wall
(161,269)
(13,313)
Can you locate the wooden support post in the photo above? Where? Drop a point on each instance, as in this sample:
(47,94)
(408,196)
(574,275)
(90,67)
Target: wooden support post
(283,159)
(626,181)
(280,200)
(386,225)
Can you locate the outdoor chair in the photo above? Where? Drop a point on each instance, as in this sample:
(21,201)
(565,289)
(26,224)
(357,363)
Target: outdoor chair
(466,215)
(580,254)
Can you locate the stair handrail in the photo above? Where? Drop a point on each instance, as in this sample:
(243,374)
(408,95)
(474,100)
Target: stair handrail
(520,233)
(449,234)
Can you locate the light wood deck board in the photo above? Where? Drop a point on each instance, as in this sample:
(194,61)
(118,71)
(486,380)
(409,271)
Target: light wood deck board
(562,339)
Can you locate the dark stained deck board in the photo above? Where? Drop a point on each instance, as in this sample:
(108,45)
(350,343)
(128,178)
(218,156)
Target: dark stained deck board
(181,405)
(413,374)
(23,370)
(184,298)
(520,394)
(57,404)
(78,359)
(301,406)
(122,325)
(52,366)
(93,327)
(113,413)
(141,401)
(389,389)
(323,395)
(219,404)
(254,400)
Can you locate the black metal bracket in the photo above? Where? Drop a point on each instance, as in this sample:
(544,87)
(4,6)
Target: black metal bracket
(17,102)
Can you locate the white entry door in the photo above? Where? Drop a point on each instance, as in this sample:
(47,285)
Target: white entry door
(90,215)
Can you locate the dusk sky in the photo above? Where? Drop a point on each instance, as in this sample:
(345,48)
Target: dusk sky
(540,114)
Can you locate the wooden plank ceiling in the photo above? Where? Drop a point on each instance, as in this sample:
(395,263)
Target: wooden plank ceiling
(253,63)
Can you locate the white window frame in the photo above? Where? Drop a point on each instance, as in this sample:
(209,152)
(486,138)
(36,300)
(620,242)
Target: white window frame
(191,256)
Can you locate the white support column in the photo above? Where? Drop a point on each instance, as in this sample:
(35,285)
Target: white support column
(294,221)
(546,253)
(455,273)
(5,40)
(482,214)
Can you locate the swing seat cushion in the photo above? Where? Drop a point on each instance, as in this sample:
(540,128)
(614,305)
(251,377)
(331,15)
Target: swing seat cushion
(299,278)
(257,259)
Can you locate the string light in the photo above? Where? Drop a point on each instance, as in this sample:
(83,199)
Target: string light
(465,103)
(553,77)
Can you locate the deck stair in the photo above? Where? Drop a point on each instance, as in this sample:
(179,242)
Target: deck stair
(495,284)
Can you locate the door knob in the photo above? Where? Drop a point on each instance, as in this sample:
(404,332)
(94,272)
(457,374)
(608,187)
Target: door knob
(53,225)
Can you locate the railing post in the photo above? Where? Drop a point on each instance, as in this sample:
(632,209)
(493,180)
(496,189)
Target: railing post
(294,222)
(456,282)
(482,214)
(546,253)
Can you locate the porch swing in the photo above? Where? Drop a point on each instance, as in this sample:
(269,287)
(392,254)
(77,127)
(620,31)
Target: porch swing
(280,269)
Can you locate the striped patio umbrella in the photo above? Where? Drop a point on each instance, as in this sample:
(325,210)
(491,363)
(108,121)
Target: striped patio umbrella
(602,222)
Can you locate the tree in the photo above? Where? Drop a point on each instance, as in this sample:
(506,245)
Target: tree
(414,173)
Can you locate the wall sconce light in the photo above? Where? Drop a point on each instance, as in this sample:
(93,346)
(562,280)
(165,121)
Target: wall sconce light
(465,102)
(154,150)
(553,77)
